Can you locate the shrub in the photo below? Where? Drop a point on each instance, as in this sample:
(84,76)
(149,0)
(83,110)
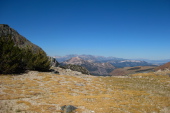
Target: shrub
(15,60)
(36,61)
(10,57)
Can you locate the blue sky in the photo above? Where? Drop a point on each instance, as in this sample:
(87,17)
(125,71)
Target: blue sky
(119,28)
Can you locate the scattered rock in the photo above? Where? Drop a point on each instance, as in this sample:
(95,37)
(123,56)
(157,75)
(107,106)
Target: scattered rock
(76,68)
(68,108)
(63,71)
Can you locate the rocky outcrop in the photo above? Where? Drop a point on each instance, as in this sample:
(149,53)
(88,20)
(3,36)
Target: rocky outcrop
(19,40)
(78,68)
(69,72)
(53,62)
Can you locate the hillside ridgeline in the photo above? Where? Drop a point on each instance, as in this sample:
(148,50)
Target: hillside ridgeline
(17,54)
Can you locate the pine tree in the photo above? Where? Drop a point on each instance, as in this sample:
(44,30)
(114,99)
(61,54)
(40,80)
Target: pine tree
(16,60)
(10,56)
(36,61)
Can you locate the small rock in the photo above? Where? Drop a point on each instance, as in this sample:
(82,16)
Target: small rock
(68,108)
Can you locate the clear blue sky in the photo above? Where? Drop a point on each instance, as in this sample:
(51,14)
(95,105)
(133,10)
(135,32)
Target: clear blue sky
(119,28)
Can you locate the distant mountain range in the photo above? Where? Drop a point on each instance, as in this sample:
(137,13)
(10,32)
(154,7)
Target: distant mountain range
(99,65)
(157,62)
(86,57)
(117,62)
(99,69)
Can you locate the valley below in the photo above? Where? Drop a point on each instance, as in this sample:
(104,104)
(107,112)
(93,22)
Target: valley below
(45,92)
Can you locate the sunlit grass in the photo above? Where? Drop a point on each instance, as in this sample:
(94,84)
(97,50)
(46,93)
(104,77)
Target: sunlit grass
(46,92)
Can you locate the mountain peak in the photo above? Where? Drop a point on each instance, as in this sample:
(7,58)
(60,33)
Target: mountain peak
(75,60)
(19,40)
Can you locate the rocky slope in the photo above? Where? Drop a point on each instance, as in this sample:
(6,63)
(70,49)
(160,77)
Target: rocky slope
(100,69)
(19,40)
(19,54)
(53,62)
(78,68)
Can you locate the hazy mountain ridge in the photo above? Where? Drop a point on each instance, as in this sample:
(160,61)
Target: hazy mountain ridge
(129,63)
(87,57)
(101,69)
(117,62)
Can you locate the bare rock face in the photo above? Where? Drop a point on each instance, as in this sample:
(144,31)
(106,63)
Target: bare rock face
(19,40)
(53,62)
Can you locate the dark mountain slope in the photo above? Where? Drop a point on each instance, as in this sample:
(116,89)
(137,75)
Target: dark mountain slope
(18,54)
(19,40)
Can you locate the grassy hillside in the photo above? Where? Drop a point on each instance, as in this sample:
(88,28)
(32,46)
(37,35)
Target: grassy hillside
(39,92)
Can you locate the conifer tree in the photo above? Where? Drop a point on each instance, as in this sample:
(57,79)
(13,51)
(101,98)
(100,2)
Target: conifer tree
(15,60)
(36,61)
(10,56)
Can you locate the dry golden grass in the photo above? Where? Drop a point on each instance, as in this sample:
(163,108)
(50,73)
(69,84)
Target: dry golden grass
(37,92)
